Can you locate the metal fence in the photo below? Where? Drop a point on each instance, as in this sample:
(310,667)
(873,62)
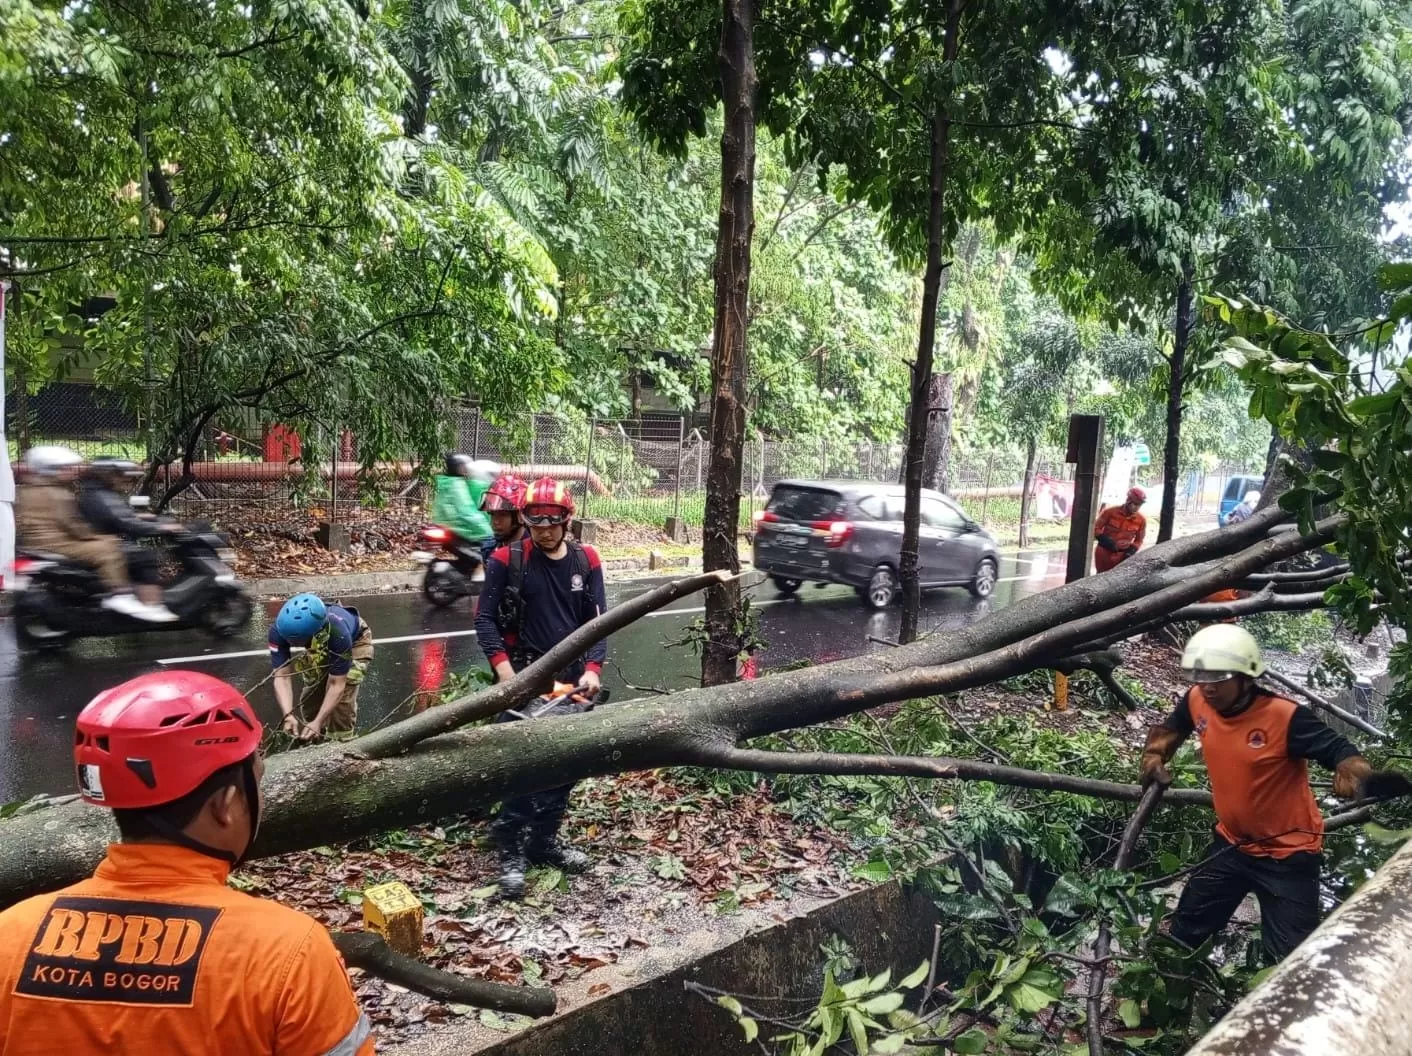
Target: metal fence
(638,471)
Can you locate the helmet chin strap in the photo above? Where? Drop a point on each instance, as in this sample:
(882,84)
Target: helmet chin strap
(251,788)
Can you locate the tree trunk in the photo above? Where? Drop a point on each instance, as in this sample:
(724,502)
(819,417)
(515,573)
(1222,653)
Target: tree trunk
(908,567)
(936,473)
(1027,493)
(330,793)
(1171,454)
(719,546)
(636,397)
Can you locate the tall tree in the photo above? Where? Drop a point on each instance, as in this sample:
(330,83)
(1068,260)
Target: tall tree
(720,529)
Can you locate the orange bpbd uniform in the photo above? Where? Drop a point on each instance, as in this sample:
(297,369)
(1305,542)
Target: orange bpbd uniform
(155,955)
(1258,789)
(1123,529)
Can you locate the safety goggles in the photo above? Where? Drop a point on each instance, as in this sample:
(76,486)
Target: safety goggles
(544,520)
(1206,677)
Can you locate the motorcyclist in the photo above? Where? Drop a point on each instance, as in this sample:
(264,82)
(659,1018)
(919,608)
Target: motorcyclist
(338,648)
(1270,833)
(503,503)
(105,509)
(1119,531)
(1245,509)
(457,508)
(47,518)
(155,953)
(538,591)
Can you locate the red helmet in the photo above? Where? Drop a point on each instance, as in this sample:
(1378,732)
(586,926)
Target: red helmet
(548,502)
(157,737)
(1137,496)
(507,493)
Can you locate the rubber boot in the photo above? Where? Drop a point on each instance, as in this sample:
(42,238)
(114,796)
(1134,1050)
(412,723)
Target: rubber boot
(512,875)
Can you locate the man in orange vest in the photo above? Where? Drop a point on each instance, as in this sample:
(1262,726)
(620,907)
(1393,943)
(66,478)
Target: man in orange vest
(1119,531)
(155,954)
(1269,833)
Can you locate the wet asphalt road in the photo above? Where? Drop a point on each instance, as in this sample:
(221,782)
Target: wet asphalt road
(417,646)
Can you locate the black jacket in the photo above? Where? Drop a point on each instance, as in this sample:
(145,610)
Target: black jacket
(109,513)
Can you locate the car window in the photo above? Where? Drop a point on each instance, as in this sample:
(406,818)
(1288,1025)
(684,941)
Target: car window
(791,503)
(1235,488)
(874,508)
(937,514)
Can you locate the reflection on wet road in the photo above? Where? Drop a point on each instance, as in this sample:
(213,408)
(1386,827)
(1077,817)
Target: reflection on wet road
(418,647)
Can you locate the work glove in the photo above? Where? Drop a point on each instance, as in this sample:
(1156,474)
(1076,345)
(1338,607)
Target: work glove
(1107,542)
(1161,745)
(1387,784)
(1350,777)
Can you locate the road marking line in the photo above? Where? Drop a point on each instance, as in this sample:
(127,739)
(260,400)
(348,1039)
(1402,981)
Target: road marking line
(201,657)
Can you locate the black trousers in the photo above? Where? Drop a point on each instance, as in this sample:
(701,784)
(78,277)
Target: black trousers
(144,566)
(1286,888)
(529,824)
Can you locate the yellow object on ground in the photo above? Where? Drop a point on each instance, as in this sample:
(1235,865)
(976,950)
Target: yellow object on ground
(392,911)
(1061,691)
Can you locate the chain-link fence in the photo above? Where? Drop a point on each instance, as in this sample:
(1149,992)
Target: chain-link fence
(635,472)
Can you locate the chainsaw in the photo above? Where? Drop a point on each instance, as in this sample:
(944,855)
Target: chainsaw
(564,699)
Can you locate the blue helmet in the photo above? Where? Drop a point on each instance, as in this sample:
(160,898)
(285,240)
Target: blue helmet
(301,617)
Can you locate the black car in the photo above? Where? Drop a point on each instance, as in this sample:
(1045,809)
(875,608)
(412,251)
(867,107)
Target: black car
(821,531)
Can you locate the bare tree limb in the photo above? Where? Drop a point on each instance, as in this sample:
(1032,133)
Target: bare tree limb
(1126,849)
(363,949)
(943,767)
(1325,704)
(530,682)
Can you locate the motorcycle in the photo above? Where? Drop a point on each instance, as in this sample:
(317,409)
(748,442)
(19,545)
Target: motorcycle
(454,567)
(58,599)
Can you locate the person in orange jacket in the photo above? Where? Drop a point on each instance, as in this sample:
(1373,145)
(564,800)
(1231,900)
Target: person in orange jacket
(1269,834)
(1119,531)
(155,953)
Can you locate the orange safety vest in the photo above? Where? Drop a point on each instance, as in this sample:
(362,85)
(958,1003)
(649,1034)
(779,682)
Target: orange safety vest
(154,954)
(1260,793)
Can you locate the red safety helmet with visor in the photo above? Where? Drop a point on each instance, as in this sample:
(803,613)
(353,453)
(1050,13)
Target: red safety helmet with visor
(548,503)
(156,738)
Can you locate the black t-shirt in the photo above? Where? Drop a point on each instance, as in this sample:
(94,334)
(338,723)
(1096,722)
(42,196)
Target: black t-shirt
(557,600)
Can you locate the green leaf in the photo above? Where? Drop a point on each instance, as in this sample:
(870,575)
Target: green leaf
(1387,837)
(971,1043)
(730,1004)
(875,872)
(751,1028)
(919,976)
(857,1031)
(1026,998)
(1130,1012)
(1375,404)
(880,981)
(883,1004)
(889,1043)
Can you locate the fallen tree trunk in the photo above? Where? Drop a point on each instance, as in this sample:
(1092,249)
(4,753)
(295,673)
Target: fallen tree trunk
(333,793)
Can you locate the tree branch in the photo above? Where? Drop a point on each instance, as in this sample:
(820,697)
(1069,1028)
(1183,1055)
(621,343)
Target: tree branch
(530,682)
(1326,705)
(362,949)
(934,767)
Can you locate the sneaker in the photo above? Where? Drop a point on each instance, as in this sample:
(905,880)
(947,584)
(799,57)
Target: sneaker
(130,605)
(560,857)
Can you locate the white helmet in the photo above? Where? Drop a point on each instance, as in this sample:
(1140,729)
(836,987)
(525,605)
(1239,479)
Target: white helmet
(1252,499)
(1215,653)
(484,470)
(47,459)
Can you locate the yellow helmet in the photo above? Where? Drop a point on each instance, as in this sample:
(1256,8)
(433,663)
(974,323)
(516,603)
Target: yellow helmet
(1219,651)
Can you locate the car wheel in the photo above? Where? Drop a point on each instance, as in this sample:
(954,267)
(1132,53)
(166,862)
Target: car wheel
(440,587)
(785,585)
(882,588)
(983,585)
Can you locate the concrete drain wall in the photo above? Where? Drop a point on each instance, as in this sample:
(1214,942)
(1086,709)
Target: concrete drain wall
(886,926)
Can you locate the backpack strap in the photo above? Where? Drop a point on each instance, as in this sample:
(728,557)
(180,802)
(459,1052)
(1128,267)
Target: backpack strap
(515,584)
(579,557)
